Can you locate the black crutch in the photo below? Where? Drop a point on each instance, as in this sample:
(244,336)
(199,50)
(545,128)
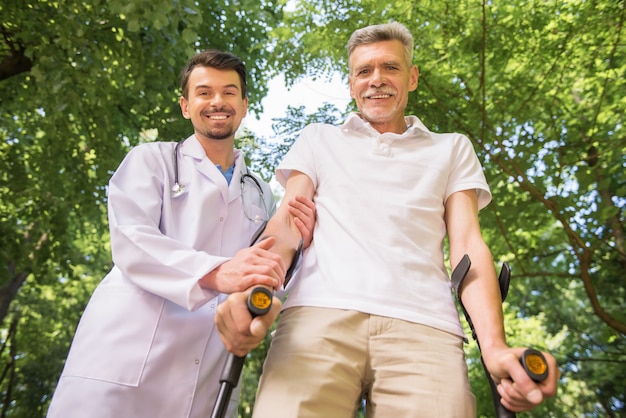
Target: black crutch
(259,303)
(532,360)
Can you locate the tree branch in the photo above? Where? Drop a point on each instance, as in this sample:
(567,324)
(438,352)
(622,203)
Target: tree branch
(15,63)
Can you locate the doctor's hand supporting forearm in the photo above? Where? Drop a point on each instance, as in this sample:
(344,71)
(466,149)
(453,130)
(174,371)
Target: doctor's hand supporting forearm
(303,211)
(238,331)
(255,265)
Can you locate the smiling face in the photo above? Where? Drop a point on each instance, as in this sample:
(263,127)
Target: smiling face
(380,82)
(214,103)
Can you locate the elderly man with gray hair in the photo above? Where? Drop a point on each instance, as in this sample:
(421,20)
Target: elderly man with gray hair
(370,315)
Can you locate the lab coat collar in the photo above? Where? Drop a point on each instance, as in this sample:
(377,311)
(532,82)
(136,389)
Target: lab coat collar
(191,147)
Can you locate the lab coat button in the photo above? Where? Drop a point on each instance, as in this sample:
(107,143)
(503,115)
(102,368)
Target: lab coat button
(221,219)
(197,361)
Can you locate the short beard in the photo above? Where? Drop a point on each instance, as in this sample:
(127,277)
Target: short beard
(219,135)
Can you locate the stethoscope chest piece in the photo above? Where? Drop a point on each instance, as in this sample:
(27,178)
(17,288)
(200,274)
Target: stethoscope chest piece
(177,189)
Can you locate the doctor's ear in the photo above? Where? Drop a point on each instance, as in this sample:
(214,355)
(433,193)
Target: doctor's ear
(184,107)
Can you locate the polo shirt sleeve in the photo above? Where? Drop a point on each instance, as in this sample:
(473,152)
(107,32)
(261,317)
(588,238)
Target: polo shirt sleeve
(466,171)
(301,156)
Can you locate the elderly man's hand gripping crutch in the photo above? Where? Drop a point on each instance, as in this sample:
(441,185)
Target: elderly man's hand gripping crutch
(532,361)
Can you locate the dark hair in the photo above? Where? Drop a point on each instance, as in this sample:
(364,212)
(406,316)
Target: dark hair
(215,59)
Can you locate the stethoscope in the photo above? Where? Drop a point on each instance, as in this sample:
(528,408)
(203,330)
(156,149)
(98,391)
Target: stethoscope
(177,188)
(245,179)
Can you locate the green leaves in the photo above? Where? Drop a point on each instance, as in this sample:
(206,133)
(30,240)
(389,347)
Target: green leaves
(538,86)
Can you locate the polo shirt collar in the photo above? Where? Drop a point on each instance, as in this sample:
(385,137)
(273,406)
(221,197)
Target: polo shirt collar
(354,122)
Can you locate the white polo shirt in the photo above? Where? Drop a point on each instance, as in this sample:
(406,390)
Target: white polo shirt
(380,227)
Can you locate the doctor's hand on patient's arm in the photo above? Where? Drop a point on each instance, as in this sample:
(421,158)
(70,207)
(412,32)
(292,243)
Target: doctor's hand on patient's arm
(239,332)
(255,265)
(303,211)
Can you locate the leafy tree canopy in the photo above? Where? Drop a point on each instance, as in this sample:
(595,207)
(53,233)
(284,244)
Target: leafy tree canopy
(538,86)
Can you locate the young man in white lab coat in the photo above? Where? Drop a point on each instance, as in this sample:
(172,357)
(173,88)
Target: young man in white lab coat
(181,219)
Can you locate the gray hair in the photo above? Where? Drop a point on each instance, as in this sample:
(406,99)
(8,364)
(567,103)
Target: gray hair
(392,31)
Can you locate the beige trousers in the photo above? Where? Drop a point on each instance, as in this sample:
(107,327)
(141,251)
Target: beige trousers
(323,363)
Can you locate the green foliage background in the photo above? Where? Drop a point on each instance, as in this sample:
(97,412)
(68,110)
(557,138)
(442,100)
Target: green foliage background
(537,85)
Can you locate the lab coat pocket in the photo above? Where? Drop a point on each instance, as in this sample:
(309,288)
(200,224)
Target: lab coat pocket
(115,335)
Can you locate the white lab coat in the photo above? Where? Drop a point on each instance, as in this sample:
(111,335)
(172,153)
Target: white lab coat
(146,345)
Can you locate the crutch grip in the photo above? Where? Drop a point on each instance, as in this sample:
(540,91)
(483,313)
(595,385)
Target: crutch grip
(259,303)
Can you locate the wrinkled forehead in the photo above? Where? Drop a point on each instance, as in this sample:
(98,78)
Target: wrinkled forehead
(377,53)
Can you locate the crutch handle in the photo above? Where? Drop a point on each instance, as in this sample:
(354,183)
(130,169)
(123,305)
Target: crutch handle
(259,303)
